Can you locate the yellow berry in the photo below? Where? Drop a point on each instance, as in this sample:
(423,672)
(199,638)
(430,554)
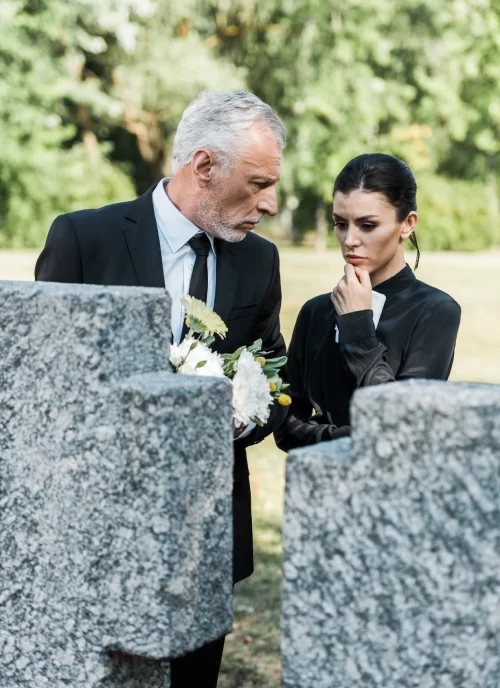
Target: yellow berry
(272,387)
(284,400)
(261,360)
(187,322)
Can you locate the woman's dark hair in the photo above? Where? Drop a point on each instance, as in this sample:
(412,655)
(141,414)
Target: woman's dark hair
(383,174)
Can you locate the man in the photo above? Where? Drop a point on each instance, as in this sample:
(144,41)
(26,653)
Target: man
(192,234)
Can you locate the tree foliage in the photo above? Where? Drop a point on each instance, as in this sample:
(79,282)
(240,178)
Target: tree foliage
(91,92)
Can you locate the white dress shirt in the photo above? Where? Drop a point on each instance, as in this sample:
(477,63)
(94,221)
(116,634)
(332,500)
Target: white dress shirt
(177,256)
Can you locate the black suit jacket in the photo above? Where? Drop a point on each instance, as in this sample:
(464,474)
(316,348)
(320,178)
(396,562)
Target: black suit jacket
(119,245)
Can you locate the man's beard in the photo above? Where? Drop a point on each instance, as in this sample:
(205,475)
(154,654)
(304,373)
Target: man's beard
(210,214)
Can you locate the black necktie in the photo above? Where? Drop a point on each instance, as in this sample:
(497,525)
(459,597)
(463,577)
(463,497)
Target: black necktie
(198,287)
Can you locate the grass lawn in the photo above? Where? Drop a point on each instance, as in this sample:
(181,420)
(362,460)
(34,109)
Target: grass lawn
(251,658)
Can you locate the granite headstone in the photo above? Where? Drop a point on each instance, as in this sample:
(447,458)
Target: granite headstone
(392,544)
(115,491)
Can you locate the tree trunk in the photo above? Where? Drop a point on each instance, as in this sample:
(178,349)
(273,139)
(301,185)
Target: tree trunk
(286,222)
(147,129)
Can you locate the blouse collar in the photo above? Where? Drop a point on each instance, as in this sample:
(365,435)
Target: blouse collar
(397,283)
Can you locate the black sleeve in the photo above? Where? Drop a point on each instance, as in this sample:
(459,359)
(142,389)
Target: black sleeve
(268,329)
(430,354)
(60,259)
(300,428)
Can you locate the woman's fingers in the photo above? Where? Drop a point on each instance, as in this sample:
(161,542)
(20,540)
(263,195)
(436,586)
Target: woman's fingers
(349,272)
(334,296)
(353,292)
(364,277)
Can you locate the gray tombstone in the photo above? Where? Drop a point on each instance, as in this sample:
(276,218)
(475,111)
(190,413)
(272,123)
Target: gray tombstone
(115,491)
(392,544)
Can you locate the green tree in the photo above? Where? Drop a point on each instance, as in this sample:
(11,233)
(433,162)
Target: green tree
(416,78)
(49,160)
(170,65)
(91,92)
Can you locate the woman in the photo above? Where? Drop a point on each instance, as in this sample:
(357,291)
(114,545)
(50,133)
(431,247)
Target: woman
(336,345)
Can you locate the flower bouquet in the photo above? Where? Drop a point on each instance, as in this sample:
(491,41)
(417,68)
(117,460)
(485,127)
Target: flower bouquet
(255,378)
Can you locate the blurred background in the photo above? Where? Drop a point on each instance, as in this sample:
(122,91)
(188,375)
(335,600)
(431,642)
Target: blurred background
(91,92)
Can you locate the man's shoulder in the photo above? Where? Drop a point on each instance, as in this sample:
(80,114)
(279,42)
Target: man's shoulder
(99,226)
(98,216)
(258,245)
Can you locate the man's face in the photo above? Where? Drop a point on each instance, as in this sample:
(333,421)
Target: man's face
(235,202)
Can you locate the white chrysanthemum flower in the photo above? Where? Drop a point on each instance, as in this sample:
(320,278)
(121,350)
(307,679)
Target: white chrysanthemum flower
(213,363)
(251,394)
(178,352)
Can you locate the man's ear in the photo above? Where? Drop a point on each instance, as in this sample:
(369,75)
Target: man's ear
(408,226)
(202,166)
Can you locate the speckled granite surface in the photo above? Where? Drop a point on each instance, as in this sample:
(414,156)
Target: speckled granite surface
(392,545)
(115,491)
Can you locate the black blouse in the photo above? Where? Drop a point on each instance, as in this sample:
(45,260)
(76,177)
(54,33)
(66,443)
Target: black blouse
(415,338)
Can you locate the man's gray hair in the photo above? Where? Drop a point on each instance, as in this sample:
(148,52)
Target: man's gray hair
(218,121)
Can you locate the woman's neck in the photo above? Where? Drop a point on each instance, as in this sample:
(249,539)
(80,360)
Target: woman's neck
(387,271)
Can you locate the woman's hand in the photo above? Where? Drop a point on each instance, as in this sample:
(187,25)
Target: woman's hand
(353,292)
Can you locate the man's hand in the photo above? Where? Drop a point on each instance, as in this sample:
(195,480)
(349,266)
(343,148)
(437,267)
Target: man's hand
(353,292)
(238,431)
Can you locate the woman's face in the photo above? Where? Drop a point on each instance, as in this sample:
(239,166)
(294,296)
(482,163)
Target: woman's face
(369,233)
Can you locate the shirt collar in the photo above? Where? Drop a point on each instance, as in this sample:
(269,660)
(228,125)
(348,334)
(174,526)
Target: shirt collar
(174,226)
(397,283)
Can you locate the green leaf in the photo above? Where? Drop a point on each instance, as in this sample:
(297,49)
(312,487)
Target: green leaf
(255,346)
(277,362)
(237,353)
(257,422)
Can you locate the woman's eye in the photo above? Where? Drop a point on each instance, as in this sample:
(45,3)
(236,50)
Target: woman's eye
(340,225)
(367,227)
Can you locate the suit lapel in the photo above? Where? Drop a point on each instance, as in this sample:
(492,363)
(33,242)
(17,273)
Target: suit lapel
(141,234)
(227,279)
